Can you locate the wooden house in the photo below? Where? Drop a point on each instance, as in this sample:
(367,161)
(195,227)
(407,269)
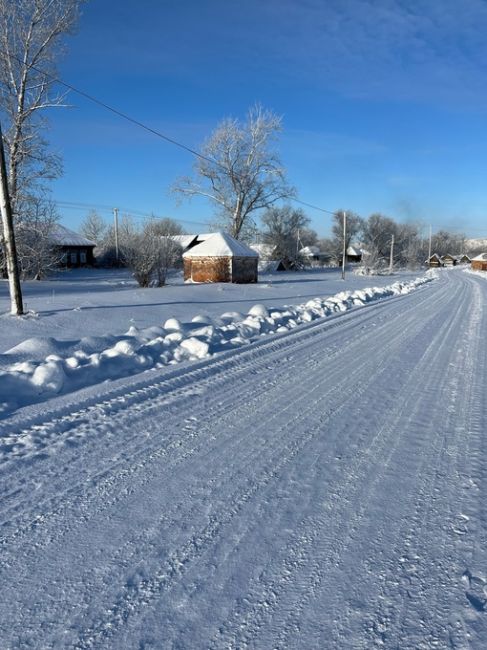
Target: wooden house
(464,259)
(479,263)
(449,260)
(221,258)
(434,262)
(74,249)
(354,253)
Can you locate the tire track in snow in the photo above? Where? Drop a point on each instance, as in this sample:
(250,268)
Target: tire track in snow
(140,398)
(362,378)
(365,374)
(337,389)
(242,630)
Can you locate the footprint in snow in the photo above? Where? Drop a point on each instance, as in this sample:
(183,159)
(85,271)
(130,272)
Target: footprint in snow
(476,593)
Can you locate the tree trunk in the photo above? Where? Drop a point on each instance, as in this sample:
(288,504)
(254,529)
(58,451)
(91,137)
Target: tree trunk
(16,307)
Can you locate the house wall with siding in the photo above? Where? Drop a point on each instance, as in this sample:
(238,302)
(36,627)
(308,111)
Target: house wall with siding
(479,265)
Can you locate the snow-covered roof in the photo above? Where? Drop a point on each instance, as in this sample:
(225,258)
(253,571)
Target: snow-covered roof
(221,244)
(62,236)
(310,250)
(354,250)
(185,241)
(480,258)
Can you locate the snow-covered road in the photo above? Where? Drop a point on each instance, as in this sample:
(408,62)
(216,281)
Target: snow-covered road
(325,488)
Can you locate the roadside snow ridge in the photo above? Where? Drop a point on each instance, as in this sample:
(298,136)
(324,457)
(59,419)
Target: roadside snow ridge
(86,362)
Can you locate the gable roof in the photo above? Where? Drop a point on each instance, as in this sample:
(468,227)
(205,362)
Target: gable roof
(480,258)
(354,250)
(62,236)
(220,244)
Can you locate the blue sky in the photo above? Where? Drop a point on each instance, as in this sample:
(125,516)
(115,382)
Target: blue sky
(384,102)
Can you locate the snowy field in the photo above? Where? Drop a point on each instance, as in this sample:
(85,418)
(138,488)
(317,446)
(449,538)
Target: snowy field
(318,487)
(98,302)
(41,366)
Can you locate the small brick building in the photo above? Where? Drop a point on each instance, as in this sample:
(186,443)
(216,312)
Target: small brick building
(220,258)
(479,263)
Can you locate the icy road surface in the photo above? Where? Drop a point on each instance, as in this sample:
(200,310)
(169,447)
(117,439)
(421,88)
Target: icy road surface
(321,489)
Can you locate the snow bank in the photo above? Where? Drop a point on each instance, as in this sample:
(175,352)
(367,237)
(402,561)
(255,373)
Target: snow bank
(68,366)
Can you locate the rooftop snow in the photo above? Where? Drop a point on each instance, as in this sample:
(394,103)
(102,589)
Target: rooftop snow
(220,244)
(62,236)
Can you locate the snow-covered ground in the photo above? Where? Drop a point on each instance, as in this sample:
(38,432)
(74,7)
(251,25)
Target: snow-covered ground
(42,366)
(324,487)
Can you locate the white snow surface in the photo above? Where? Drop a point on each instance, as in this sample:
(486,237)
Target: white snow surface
(68,366)
(325,488)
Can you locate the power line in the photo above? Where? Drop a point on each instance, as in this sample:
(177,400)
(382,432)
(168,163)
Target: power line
(138,123)
(137,215)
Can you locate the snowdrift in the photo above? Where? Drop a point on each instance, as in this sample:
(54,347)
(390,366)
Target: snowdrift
(71,365)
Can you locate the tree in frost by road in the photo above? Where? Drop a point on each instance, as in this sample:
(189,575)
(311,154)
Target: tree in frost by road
(282,230)
(31,42)
(241,172)
(93,227)
(150,252)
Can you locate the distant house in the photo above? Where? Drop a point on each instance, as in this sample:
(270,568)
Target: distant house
(268,263)
(464,259)
(449,260)
(313,256)
(220,258)
(74,249)
(354,253)
(479,263)
(434,261)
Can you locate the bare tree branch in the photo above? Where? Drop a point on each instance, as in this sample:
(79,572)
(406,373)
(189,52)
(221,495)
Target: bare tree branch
(246,175)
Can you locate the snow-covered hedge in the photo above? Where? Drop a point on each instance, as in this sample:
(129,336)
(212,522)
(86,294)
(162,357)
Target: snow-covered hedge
(92,360)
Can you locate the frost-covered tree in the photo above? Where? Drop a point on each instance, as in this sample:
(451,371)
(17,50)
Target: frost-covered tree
(334,246)
(152,251)
(31,40)
(93,227)
(37,255)
(241,172)
(281,230)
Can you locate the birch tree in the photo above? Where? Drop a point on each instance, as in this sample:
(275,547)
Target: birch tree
(31,42)
(241,172)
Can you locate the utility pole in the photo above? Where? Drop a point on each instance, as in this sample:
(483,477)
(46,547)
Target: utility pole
(115,219)
(16,304)
(429,246)
(391,259)
(344,255)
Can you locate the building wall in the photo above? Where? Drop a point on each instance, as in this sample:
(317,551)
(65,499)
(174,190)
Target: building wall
(73,256)
(479,265)
(221,269)
(244,269)
(208,269)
